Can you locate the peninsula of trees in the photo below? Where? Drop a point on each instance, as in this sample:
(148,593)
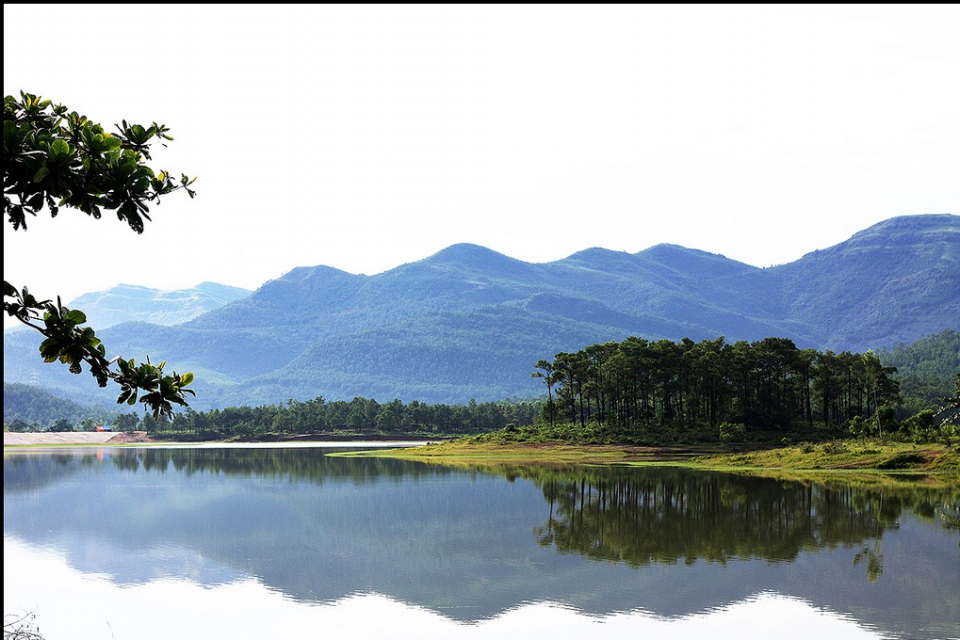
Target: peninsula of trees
(641,390)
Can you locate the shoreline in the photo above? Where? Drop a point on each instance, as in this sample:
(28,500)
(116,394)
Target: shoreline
(71,438)
(112,438)
(887,459)
(890,459)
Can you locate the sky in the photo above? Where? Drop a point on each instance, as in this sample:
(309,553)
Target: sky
(364,137)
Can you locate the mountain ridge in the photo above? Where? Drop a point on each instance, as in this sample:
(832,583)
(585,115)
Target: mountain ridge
(469,322)
(166,307)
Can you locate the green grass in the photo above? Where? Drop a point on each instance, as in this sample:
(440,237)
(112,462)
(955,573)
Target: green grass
(869,462)
(845,455)
(467,453)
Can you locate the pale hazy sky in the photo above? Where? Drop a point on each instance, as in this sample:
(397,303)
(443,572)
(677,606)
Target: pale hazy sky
(366,136)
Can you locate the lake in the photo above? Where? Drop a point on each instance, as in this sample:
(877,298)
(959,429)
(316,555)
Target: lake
(292,542)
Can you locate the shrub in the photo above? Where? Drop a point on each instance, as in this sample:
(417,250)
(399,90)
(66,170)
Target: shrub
(902,460)
(732,432)
(858,426)
(833,448)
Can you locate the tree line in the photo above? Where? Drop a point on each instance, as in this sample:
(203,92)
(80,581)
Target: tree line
(319,416)
(360,417)
(640,387)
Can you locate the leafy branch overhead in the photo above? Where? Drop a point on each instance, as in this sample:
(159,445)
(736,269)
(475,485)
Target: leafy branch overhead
(54,158)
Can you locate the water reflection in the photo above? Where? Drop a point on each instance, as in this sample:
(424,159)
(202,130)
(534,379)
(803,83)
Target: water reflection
(95,608)
(473,545)
(671,514)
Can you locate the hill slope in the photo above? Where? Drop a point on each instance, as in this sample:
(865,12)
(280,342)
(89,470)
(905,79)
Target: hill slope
(469,322)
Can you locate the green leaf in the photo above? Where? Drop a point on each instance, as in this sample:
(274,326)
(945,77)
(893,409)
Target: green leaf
(59,149)
(127,168)
(89,338)
(9,133)
(50,350)
(111,142)
(76,317)
(41,174)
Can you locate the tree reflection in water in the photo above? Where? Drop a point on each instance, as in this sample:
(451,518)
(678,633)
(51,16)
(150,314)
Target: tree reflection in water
(665,515)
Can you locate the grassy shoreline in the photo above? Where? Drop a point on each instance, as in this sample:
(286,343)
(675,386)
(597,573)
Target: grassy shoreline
(848,458)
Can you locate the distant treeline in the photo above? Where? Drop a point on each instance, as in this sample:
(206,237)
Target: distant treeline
(656,389)
(360,416)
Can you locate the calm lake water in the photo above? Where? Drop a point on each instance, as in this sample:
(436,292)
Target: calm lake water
(290,542)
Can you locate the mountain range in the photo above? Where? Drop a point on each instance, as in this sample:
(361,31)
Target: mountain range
(469,322)
(127,303)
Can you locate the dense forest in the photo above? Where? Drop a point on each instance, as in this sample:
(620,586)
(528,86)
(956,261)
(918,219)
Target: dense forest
(640,390)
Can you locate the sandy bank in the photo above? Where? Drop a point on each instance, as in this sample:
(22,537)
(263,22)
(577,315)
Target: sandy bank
(75,437)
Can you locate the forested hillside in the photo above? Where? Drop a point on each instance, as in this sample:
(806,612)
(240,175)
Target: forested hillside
(926,369)
(27,408)
(468,322)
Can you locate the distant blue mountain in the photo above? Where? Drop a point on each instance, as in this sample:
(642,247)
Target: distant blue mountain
(468,322)
(132,303)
